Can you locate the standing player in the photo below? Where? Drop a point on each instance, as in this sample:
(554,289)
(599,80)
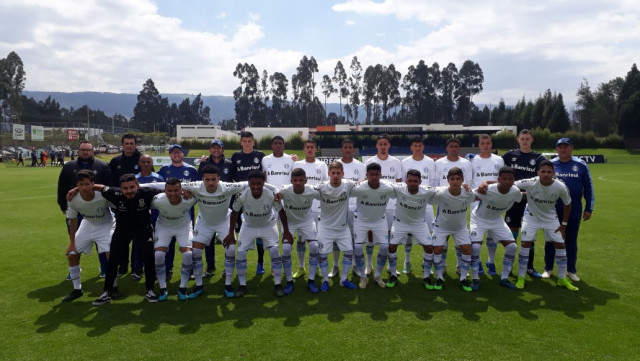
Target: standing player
(451,220)
(67,181)
(443,165)
(245,161)
(332,228)
(146,175)
(185,173)
(485,167)
(412,207)
(125,163)
(524,161)
(391,172)
(575,174)
(97,227)
(316,172)
(372,197)
(486,217)
(132,205)
(427,168)
(353,170)
(542,194)
(278,165)
(297,199)
(174,222)
(259,210)
(225,167)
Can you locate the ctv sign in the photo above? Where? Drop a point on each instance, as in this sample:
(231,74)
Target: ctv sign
(593,158)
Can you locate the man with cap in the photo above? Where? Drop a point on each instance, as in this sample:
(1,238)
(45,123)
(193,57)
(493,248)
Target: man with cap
(225,167)
(575,175)
(185,173)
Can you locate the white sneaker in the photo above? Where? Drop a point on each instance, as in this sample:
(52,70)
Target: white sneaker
(574,277)
(546,274)
(380,282)
(368,270)
(334,272)
(363,282)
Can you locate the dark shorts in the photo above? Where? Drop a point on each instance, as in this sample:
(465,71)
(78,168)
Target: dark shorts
(513,217)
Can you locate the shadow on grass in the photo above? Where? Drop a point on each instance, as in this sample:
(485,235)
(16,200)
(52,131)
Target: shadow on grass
(378,303)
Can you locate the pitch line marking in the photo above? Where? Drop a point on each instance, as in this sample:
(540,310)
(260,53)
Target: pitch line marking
(616,181)
(20,199)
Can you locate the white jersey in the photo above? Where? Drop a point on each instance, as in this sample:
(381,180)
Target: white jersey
(493,204)
(442,168)
(541,200)
(426,166)
(278,169)
(214,207)
(259,212)
(411,208)
(95,211)
(316,172)
(372,203)
(334,205)
(298,206)
(485,169)
(170,215)
(391,171)
(452,210)
(354,171)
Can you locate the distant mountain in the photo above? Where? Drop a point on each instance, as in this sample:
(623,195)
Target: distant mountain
(222,107)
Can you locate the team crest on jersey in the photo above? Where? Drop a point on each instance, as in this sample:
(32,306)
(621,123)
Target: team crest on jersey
(392,169)
(318,171)
(513,159)
(256,160)
(574,168)
(226,171)
(95,172)
(426,169)
(383,197)
(266,206)
(135,166)
(554,195)
(141,203)
(118,166)
(286,166)
(532,161)
(100,211)
(356,172)
(185,173)
(238,161)
(307,201)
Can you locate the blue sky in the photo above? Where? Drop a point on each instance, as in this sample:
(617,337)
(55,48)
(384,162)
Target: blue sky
(524,47)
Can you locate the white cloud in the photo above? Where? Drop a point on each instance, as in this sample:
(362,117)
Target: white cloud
(350,22)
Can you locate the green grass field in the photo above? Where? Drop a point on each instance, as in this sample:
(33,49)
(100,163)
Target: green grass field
(406,323)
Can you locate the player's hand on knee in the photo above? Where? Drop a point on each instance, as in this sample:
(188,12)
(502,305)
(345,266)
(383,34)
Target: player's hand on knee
(71,249)
(229,240)
(287,237)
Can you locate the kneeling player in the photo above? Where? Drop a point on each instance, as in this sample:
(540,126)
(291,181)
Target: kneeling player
(542,193)
(451,220)
(258,221)
(411,221)
(487,218)
(97,227)
(174,220)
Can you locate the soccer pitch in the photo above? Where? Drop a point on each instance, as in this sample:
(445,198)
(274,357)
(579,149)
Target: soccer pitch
(405,323)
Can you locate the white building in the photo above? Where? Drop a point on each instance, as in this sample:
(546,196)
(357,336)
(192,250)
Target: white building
(203,133)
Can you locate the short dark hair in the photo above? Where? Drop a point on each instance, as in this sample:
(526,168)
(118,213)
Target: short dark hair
(347,141)
(277,137)
(172,181)
(383,136)
(544,163)
(414,172)
(298,172)
(525,131)
(336,165)
(374,166)
(257,174)
(128,178)
(128,136)
(210,169)
(417,139)
(246,135)
(83,174)
(455,171)
(506,169)
(484,136)
(311,141)
(453,140)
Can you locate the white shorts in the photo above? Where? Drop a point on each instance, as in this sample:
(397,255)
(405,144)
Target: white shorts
(326,238)
(204,232)
(390,214)
(402,233)
(350,220)
(498,231)
(379,231)
(163,236)
(306,231)
(88,234)
(530,228)
(429,217)
(247,235)
(461,237)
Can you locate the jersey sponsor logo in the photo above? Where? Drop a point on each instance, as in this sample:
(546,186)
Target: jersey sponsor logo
(568,175)
(486,174)
(373,204)
(454,211)
(520,167)
(412,208)
(212,203)
(498,209)
(247,168)
(273,172)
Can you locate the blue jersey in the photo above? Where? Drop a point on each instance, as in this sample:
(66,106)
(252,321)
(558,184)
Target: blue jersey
(245,163)
(575,174)
(151,178)
(186,173)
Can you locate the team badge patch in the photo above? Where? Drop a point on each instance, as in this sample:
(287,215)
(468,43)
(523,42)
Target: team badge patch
(532,161)
(356,172)
(393,169)
(185,173)
(266,206)
(574,168)
(318,171)
(256,160)
(141,203)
